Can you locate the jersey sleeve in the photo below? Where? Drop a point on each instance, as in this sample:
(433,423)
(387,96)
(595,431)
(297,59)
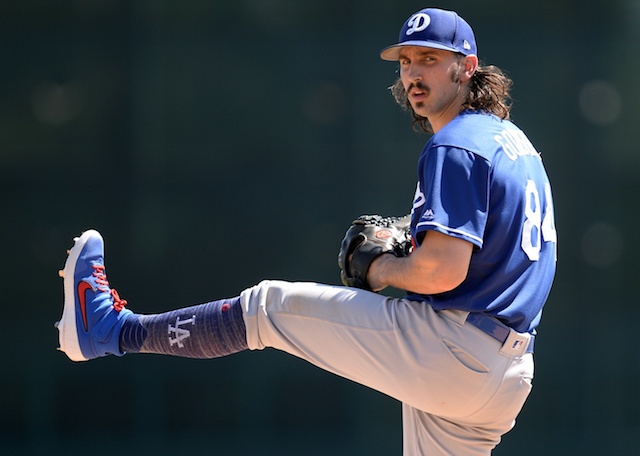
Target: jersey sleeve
(455,189)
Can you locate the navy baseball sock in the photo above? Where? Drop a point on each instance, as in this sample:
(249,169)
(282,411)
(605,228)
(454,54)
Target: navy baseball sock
(208,330)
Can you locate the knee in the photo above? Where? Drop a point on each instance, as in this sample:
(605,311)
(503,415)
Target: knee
(260,306)
(261,295)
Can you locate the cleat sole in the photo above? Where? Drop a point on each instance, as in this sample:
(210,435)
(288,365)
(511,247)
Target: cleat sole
(68,331)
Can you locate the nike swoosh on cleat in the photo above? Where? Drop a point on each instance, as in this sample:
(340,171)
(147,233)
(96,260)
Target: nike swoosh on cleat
(82,289)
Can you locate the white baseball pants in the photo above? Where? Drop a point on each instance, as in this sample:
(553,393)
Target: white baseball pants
(460,389)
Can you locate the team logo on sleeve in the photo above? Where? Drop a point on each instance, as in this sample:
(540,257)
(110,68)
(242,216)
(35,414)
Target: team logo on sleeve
(418,199)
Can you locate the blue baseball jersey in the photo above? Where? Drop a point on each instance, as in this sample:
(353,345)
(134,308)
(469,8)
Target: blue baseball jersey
(480,179)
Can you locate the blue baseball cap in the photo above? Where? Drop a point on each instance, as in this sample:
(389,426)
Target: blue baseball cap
(434,28)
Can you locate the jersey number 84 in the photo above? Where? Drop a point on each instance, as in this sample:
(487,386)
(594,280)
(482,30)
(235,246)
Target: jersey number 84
(538,226)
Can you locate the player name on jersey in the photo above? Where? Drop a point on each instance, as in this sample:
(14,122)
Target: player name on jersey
(515,144)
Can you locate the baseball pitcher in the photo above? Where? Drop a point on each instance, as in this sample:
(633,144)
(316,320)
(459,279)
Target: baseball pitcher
(476,255)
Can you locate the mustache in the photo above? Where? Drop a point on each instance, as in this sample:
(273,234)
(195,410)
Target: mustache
(418,85)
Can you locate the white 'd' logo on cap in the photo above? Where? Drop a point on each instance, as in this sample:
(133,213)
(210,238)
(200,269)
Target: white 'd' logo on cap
(418,23)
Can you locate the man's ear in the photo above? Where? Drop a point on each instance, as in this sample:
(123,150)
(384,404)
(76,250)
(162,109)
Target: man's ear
(469,67)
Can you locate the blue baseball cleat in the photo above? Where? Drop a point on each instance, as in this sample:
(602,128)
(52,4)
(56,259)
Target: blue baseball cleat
(93,313)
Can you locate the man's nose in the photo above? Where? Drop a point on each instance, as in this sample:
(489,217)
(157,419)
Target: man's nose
(413,73)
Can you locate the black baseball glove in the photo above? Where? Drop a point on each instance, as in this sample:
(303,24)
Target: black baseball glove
(368,237)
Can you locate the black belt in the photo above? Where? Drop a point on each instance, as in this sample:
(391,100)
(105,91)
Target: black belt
(496,329)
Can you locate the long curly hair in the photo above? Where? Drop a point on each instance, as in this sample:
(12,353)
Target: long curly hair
(489,91)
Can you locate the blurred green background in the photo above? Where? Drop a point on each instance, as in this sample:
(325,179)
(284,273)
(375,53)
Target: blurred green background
(217,143)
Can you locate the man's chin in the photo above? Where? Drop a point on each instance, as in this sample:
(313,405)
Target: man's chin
(418,108)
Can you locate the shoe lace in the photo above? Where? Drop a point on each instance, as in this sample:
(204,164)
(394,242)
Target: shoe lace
(103,285)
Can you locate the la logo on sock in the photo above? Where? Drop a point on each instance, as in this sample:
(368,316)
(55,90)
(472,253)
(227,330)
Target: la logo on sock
(179,334)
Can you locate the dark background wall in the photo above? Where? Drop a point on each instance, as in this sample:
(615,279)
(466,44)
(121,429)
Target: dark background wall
(217,143)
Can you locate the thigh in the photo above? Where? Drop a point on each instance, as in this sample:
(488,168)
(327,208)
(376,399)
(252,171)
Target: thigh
(353,333)
(401,348)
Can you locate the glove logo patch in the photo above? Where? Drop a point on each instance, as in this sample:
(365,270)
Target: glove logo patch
(384,234)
